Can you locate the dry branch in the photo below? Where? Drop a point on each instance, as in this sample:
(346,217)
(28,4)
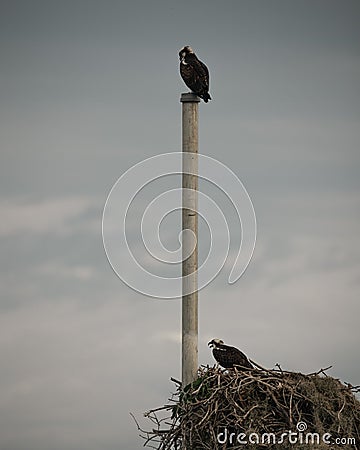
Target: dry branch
(259,401)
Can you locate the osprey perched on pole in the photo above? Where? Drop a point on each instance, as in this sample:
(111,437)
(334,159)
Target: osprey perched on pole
(227,356)
(194,73)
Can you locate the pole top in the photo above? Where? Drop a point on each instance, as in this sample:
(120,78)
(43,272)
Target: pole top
(189,97)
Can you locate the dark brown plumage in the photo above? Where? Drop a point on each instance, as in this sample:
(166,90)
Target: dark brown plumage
(228,356)
(194,73)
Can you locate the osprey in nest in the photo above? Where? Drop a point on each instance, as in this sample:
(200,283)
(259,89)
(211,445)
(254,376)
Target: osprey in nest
(229,357)
(194,73)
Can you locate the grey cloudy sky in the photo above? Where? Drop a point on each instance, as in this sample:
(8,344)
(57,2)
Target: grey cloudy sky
(88,89)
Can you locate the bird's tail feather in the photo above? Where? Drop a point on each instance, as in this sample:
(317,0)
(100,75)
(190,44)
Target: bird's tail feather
(206,97)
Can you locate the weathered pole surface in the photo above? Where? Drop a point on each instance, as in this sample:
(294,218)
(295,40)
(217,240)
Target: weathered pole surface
(190,142)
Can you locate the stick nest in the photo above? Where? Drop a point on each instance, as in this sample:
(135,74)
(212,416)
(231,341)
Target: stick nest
(260,406)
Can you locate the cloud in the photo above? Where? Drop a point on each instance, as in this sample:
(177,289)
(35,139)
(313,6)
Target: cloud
(83,367)
(57,215)
(60,270)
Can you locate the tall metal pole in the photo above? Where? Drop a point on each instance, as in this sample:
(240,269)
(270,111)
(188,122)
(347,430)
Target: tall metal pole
(190,142)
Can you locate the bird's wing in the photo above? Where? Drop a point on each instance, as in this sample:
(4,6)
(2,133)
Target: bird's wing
(242,359)
(202,72)
(206,72)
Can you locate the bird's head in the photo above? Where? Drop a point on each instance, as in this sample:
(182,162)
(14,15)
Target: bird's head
(185,51)
(215,342)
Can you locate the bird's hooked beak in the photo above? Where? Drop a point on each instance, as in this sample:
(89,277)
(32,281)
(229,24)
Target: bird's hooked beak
(211,344)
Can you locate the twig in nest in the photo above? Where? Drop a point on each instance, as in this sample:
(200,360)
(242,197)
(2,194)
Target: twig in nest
(176,381)
(321,371)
